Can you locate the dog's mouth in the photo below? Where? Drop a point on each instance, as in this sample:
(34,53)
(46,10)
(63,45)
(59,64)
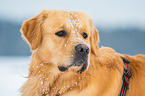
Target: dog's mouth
(80,66)
(84,67)
(83,64)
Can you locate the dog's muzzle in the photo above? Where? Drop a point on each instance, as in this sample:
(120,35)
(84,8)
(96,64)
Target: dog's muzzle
(80,58)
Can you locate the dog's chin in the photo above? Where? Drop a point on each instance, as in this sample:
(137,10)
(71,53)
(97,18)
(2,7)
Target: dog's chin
(78,67)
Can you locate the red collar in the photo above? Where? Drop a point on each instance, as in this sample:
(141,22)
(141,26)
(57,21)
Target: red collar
(126,76)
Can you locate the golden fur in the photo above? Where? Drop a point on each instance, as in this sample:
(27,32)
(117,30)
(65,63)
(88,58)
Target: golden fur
(104,74)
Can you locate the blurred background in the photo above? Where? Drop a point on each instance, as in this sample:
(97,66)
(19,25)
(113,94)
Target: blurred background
(121,25)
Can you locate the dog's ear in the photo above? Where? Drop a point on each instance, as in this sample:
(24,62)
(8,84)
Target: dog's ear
(94,41)
(32,31)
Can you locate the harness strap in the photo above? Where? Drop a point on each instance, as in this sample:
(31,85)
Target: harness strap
(126,76)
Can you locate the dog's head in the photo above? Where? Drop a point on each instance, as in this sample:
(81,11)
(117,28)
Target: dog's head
(65,39)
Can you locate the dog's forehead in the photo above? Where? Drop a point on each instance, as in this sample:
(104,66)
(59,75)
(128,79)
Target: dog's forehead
(61,15)
(70,19)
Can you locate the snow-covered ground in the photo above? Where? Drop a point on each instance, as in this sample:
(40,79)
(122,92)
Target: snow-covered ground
(13,71)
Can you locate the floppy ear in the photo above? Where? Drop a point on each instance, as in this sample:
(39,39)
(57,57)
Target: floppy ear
(32,31)
(94,41)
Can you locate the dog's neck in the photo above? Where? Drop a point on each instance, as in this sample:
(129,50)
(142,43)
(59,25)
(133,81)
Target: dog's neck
(54,82)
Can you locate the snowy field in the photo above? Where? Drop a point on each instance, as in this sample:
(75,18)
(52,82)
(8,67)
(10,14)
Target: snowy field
(13,71)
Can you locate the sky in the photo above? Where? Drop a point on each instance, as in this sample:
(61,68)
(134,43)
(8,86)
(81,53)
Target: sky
(128,12)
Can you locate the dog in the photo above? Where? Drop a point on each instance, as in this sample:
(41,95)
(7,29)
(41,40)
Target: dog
(66,59)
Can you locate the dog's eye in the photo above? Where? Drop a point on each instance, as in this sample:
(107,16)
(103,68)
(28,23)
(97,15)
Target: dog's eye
(85,35)
(61,33)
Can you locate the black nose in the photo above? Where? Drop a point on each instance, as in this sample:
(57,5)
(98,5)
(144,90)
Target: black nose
(82,49)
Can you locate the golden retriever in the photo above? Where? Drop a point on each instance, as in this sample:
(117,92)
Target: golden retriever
(66,59)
